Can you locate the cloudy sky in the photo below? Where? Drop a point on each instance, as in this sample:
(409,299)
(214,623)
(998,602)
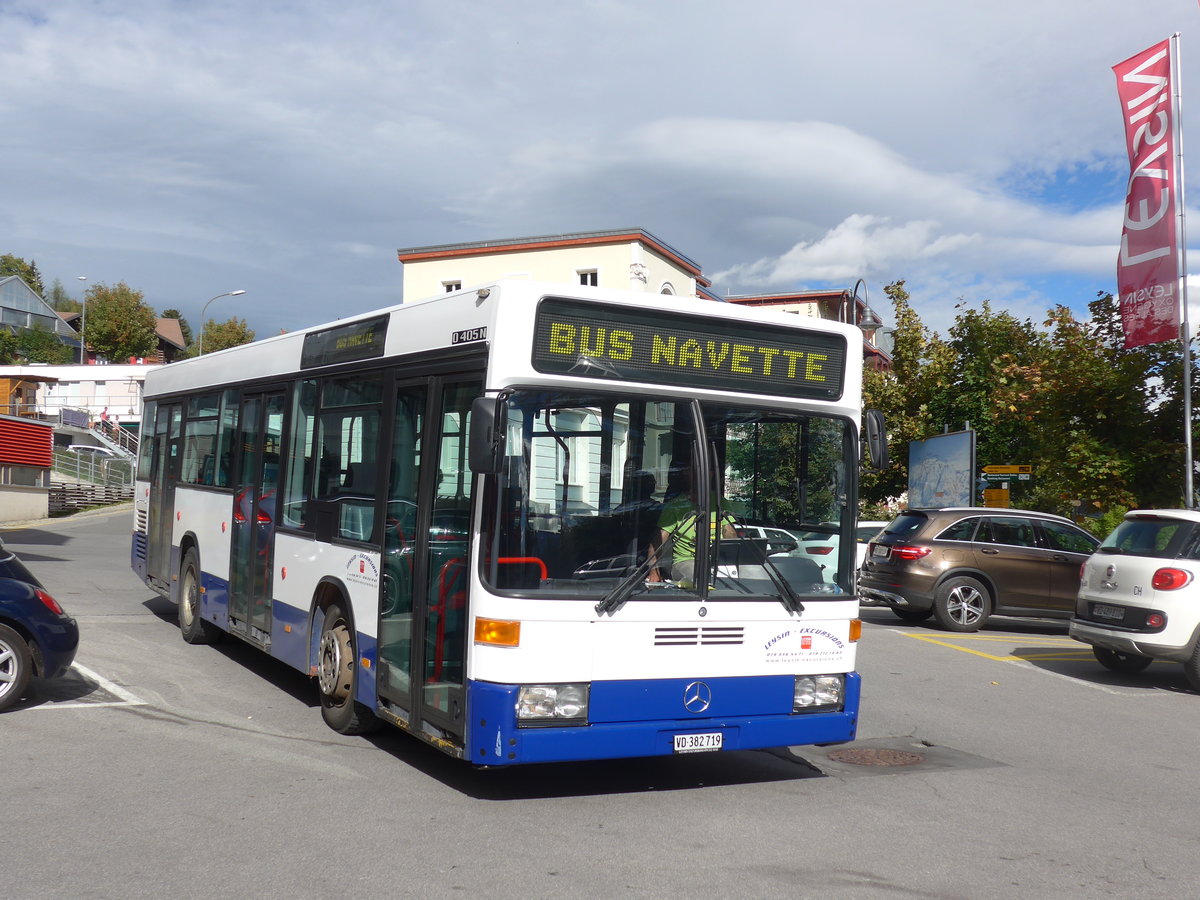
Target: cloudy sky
(289,147)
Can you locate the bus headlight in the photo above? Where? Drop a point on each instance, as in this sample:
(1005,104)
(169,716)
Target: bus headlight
(817,692)
(552,704)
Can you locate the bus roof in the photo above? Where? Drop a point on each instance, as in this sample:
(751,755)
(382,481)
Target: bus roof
(499,312)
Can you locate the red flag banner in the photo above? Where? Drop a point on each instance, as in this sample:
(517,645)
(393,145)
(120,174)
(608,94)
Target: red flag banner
(1148,264)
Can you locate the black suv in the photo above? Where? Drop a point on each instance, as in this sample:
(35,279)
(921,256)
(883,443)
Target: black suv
(964,564)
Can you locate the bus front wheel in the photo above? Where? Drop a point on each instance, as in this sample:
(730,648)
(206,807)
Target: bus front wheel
(336,676)
(195,630)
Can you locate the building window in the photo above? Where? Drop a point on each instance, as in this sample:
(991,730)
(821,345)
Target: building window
(667,288)
(452,286)
(589,277)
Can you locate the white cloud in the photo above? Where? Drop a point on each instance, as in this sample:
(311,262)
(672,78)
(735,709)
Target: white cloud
(291,145)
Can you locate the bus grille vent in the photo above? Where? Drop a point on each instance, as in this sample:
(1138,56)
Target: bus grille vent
(694,636)
(140,524)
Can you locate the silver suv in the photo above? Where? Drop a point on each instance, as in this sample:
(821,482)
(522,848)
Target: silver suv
(964,564)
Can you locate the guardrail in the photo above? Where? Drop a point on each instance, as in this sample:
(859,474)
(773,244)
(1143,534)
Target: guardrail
(93,468)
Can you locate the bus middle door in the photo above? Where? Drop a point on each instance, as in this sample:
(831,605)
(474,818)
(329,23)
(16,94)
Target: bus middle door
(423,611)
(260,431)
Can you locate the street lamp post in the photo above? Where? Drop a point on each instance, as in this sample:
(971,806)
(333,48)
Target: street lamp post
(83,328)
(204,312)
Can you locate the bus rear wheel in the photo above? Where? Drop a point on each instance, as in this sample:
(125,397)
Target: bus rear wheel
(194,629)
(337,675)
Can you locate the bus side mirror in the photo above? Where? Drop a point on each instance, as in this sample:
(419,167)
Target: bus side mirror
(877,446)
(486,448)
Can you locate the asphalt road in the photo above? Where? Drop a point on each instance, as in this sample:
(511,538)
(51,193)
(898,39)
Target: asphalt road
(159,769)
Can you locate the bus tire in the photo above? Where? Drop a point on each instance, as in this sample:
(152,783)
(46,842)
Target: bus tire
(337,676)
(195,630)
(16,667)
(962,604)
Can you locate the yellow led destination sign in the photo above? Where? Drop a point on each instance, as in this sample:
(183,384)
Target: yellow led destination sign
(344,343)
(573,337)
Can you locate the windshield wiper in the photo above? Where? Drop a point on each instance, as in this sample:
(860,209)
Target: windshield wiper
(625,588)
(785,593)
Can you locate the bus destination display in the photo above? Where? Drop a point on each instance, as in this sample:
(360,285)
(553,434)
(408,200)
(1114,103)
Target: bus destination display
(574,338)
(344,343)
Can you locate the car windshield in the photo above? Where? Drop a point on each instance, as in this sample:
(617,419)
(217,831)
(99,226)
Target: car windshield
(603,495)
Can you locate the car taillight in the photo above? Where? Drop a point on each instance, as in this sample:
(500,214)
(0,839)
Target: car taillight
(818,551)
(49,602)
(907,551)
(1170,579)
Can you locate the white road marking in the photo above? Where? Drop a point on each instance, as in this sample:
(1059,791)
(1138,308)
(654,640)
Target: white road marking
(126,698)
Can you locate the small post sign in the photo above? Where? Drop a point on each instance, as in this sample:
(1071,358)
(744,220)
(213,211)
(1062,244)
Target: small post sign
(996,497)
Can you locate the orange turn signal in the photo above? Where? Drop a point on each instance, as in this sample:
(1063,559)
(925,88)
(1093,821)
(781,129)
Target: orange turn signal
(500,633)
(855,630)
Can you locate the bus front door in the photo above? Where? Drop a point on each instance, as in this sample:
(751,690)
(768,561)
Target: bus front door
(260,431)
(164,474)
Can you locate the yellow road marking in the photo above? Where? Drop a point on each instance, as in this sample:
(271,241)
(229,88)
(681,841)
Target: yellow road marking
(1077,650)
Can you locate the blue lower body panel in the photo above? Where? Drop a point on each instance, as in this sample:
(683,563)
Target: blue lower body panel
(641,718)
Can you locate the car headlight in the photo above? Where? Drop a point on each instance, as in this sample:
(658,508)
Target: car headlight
(552,704)
(818,692)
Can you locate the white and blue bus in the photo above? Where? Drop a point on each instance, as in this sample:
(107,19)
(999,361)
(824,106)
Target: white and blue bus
(523,521)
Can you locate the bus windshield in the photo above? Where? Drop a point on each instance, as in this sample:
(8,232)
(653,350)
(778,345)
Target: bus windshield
(602,492)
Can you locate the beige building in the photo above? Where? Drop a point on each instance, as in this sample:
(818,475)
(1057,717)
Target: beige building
(626,259)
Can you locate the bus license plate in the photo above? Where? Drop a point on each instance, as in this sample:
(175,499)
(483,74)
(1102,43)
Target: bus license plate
(697,743)
(1100,611)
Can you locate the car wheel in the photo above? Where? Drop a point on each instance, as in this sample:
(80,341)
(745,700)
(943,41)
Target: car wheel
(912,615)
(1191,669)
(962,604)
(336,677)
(16,667)
(1120,662)
(194,629)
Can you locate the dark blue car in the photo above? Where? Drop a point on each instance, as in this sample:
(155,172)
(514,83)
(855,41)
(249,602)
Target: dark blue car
(36,636)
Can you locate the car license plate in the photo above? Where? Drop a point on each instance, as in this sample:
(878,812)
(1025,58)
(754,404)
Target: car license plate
(880,551)
(1102,611)
(698,743)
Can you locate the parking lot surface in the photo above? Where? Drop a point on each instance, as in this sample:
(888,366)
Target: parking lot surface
(1006,763)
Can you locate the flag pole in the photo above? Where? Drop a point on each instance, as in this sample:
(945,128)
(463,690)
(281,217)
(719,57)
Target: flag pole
(1185,332)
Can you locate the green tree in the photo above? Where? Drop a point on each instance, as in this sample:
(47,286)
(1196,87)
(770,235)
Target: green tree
(1101,425)
(8,347)
(28,271)
(119,322)
(41,345)
(61,300)
(220,335)
(902,394)
(184,327)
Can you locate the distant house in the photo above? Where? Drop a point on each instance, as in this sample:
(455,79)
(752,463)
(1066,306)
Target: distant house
(170,341)
(21,309)
(842,305)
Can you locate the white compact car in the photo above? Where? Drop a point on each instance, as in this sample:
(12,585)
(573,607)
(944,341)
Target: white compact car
(1139,597)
